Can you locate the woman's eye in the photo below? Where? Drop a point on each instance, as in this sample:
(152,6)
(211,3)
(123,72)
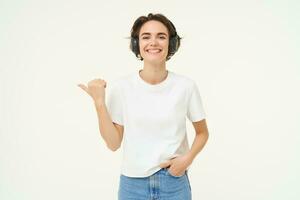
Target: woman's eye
(145,38)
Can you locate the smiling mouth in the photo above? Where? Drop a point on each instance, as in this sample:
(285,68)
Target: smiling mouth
(153,51)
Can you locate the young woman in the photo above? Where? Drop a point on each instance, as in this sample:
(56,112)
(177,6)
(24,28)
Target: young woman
(146,112)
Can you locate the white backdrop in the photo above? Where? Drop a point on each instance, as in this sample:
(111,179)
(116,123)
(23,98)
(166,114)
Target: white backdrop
(244,56)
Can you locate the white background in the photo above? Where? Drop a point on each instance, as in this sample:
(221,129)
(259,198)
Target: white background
(244,56)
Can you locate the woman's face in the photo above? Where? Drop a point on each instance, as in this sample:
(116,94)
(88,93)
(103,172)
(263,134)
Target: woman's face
(154,41)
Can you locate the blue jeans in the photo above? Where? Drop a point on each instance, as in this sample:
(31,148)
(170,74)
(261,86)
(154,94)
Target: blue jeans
(159,186)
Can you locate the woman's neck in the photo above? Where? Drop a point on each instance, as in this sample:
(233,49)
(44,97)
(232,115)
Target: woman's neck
(154,73)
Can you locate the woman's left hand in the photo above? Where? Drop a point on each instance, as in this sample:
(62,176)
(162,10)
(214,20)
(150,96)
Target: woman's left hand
(178,165)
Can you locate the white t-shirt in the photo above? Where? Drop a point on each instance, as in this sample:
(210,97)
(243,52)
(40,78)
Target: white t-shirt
(154,119)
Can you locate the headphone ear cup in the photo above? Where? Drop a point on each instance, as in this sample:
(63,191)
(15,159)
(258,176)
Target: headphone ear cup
(173,46)
(135,46)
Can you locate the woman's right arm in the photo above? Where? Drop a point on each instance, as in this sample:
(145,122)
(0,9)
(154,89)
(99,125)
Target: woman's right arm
(110,132)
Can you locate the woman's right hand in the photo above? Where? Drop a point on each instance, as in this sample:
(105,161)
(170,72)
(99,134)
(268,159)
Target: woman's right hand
(96,89)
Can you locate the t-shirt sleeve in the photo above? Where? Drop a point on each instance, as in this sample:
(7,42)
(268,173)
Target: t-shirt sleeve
(115,105)
(195,110)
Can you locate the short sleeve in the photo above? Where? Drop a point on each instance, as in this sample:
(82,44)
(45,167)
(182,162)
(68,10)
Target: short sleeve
(115,105)
(195,110)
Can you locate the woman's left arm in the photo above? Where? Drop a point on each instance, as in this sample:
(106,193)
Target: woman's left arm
(200,138)
(180,163)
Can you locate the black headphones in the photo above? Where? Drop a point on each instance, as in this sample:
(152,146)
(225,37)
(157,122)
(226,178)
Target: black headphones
(174,43)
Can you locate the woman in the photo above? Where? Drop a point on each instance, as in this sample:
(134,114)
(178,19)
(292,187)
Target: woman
(149,108)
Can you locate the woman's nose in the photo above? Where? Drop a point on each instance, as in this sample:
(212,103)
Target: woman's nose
(153,42)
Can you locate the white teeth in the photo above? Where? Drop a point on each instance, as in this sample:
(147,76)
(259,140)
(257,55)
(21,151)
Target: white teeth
(153,51)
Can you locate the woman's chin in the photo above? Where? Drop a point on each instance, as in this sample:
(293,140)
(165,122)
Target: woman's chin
(154,59)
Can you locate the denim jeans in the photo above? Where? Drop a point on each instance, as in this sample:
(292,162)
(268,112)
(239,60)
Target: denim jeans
(159,186)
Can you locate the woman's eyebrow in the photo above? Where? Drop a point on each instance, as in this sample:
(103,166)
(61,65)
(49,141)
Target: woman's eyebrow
(160,33)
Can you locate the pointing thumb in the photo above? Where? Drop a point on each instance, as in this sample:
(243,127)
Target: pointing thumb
(83,87)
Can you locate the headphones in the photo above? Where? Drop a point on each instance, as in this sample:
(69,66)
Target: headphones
(174,42)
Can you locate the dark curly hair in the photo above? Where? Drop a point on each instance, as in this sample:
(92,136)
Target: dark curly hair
(174,39)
